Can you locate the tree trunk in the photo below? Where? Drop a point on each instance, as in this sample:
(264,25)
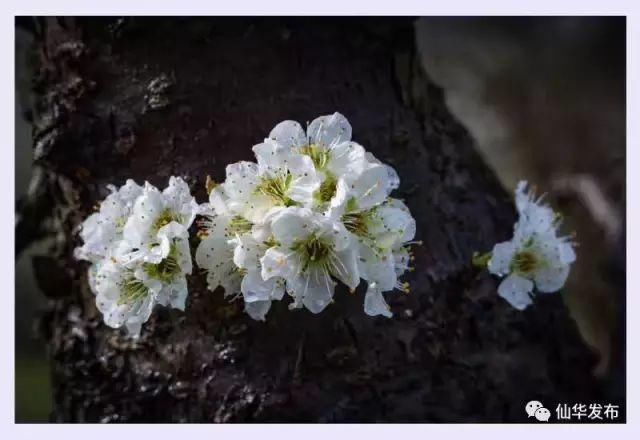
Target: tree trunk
(149,98)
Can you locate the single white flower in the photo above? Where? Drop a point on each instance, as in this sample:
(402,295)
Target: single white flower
(327,142)
(101,230)
(310,250)
(535,257)
(158,219)
(124,295)
(381,235)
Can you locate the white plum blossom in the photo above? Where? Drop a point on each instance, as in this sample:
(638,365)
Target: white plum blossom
(535,257)
(102,229)
(313,211)
(311,250)
(138,244)
(159,219)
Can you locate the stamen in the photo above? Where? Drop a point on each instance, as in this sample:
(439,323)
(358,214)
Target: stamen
(319,155)
(276,188)
(166,216)
(327,189)
(238,225)
(167,269)
(131,290)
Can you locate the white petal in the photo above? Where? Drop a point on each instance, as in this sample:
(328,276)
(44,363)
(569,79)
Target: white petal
(215,256)
(305,180)
(292,224)
(133,329)
(501,257)
(178,198)
(278,262)
(329,130)
(316,290)
(137,230)
(345,267)
(371,187)
(567,253)
(551,279)
(254,288)
(515,290)
(242,178)
(271,156)
(174,294)
(374,303)
(392,177)
(346,158)
(334,231)
(257,309)
(392,225)
(247,252)
(377,269)
(522,197)
(129,192)
(288,134)
(218,201)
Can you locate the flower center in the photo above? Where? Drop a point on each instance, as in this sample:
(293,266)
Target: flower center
(524,262)
(238,225)
(356,222)
(319,155)
(327,189)
(131,290)
(167,269)
(276,188)
(165,217)
(314,252)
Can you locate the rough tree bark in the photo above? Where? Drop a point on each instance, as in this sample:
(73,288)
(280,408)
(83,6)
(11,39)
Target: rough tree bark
(149,98)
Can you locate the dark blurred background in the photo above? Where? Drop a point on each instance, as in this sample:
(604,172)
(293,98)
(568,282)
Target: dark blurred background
(544,98)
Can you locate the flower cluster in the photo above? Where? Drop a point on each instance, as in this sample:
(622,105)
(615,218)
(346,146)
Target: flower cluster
(314,209)
(535,256)
(138,244)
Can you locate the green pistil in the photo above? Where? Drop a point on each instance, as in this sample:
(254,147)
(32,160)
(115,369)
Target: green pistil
(132,289)
(167,269)
(327,189)
(314,252)
(238,225)
(319,155)
(165,217)
(276,188)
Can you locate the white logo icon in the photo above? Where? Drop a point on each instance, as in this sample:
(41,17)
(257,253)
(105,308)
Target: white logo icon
(542,414)
(536,409)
